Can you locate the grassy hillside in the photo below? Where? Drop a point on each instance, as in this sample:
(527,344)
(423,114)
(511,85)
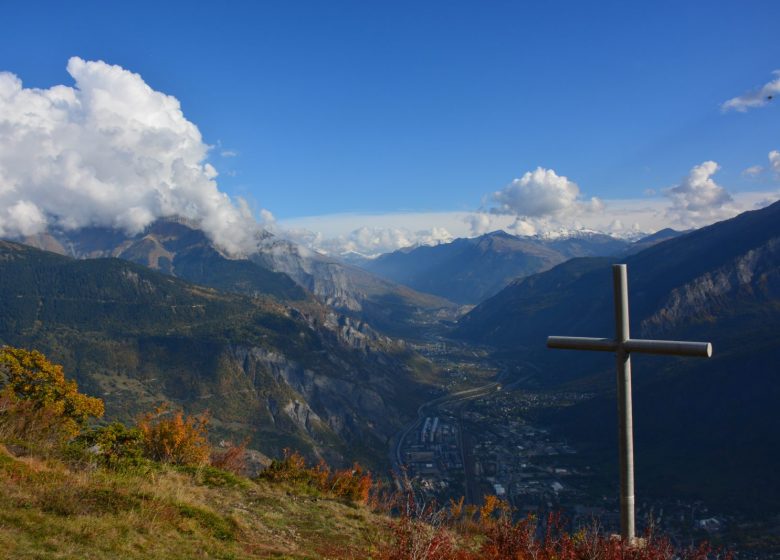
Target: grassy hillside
(49,510)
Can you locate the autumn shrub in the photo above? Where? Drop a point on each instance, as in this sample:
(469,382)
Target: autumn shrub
(172,437)
(114,445)
(293,470)
(489,532)
(420,531)
(232,458)
(37,403)
(353,484)
(416,539)
(24,423)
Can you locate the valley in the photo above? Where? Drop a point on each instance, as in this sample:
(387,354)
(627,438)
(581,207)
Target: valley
(488,437)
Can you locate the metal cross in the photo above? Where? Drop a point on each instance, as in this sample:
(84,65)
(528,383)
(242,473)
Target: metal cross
(622,345)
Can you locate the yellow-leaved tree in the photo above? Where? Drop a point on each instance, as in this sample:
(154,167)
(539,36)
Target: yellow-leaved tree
(34,394)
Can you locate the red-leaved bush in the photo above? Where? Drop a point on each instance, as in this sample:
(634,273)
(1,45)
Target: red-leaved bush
(232,458)
(423,532)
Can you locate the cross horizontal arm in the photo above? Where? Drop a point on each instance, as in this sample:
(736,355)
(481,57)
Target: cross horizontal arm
(582,343)
(669,347)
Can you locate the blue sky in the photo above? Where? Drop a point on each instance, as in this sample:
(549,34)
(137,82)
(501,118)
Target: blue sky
(388,107)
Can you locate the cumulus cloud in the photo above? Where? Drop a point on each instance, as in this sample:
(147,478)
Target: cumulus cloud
(523,227)
(543,193)
(109,151)
(479,223)
(774,160)
(698,198)
(538,202)
(754,98)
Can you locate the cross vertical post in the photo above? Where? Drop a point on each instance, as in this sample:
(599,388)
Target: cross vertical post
(622,345)
(625,416)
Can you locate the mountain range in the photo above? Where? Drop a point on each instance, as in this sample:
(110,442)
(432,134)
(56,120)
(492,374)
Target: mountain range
(469,270)
(281,372)
(703,427)
(278,268)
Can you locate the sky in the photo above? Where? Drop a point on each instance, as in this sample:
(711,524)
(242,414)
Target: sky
(369,126)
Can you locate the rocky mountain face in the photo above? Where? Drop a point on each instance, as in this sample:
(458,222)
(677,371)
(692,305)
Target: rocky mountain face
(389,306)
(278,268)
(703,427)
(470,270)
(175,247)
(284,375)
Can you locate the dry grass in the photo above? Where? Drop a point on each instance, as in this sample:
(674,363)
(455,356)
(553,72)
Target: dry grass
(48,510)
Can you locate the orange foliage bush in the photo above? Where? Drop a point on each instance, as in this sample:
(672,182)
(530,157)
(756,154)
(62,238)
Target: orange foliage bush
(353,484)
(174,437)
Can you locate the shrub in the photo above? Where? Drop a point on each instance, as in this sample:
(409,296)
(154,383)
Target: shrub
(115,445)
(231,459)
(353,484)
(175,438)
(423,532)
(292,470)
(22,422)
(36,397)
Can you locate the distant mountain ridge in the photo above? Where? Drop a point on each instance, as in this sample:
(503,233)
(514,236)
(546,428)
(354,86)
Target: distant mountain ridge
(469,270)
(278,268)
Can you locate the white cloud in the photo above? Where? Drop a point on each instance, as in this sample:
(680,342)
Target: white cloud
(228,153)
(541,193)
(753,171)
(368,241)
(539,201)
(23,217)
(110,151)
(698,198)
(523,227)
(267,218)
(622,217)
(479,223)
(755,98)
(774,160)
